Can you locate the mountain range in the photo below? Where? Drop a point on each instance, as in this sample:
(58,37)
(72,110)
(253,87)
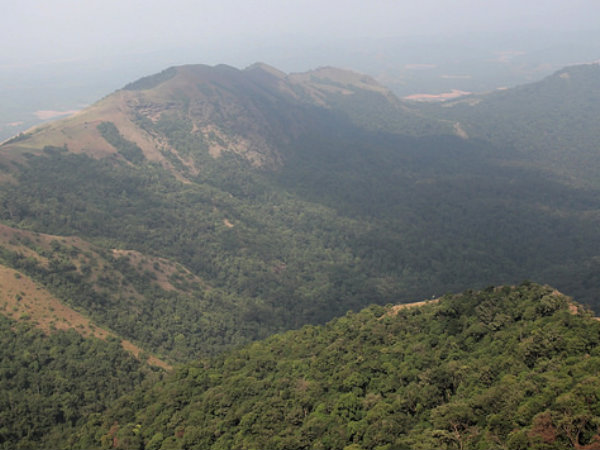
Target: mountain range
(203,208)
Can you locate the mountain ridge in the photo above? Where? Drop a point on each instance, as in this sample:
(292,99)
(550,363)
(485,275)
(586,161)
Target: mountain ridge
(243,122)
(550,123)
(203,208)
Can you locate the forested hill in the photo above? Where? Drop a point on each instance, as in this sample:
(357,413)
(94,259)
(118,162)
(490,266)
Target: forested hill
(507,367)
(52,384)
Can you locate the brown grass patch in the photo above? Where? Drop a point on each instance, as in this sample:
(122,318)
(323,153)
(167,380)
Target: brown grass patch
(152,360)
(397,308)
(12,239)
(23,297)
(80,134)
(454,93)
(20,241)
(460,131)
(49,114)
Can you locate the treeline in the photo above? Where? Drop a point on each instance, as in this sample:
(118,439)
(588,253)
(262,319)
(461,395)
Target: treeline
(130,150)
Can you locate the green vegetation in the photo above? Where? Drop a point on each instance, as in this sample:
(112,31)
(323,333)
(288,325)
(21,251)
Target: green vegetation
(178,322)
(130,150)
(256,269)
(501,368)
(51,385)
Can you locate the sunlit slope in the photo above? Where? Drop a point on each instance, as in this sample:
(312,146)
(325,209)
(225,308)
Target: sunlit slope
(58,282)
(24,300)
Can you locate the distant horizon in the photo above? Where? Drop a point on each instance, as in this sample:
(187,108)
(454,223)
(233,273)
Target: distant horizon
(65,30)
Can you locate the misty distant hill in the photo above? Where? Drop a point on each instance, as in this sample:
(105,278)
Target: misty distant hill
(550,123)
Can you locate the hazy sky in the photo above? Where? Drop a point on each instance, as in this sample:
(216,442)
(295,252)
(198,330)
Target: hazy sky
(43,30)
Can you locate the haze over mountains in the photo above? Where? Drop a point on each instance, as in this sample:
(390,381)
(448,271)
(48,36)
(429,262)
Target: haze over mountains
(44,87)
(202,208)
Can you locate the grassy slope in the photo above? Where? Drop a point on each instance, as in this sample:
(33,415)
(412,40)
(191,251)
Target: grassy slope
(69,270)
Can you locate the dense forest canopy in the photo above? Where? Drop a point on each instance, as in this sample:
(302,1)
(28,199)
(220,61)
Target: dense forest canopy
(507,367)
(51,385)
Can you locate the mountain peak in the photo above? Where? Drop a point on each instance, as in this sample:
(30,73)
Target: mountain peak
(262,67)
(580,70)
(343,79)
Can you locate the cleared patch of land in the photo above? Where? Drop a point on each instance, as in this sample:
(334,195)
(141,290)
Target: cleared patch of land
(460,131)
(454,93)
(397,308)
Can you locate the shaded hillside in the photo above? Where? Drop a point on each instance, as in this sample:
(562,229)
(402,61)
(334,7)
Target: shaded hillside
(551,123)
(507,367)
